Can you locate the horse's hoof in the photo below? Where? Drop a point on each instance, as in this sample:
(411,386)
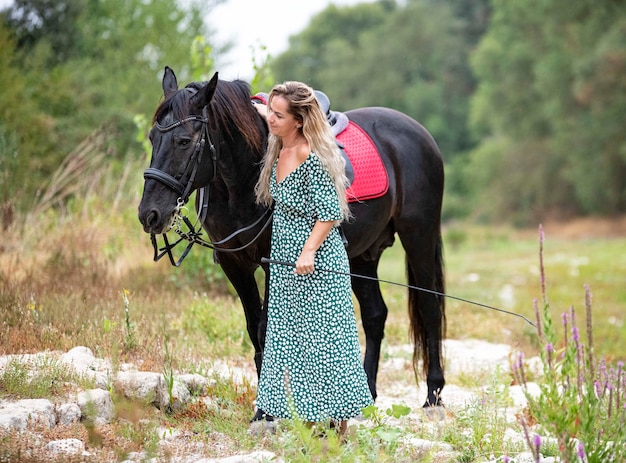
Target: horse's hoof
(261,427)
(260,415)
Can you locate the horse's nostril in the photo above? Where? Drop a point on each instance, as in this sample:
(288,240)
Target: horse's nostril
(152,219)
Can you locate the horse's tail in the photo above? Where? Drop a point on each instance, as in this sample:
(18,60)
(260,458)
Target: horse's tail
(428,316)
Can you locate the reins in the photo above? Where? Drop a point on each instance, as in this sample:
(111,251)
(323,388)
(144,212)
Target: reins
(265,260)
(194,236)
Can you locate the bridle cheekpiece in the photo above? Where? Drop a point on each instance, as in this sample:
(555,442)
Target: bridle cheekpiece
(184,190)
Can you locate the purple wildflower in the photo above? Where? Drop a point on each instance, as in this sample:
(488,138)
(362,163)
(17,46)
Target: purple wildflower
(537,444)
(581,451)
(550,351)
(518,366)
(506,459)
(565,321)
(575,335)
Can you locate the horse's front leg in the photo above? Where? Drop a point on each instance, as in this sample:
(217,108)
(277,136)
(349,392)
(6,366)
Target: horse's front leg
(242,279)
(373,316)
(246,287)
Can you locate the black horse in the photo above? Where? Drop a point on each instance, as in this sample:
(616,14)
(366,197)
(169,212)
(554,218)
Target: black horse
(208,136)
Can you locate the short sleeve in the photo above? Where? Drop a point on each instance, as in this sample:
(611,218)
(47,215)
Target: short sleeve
(325,202)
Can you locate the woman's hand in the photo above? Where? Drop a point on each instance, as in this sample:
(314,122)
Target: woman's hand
(261,109)
(305,263)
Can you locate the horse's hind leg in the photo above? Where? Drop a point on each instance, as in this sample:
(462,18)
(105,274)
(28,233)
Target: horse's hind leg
(373,315)
(426,310)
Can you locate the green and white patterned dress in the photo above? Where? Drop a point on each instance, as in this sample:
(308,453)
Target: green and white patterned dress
(312,363)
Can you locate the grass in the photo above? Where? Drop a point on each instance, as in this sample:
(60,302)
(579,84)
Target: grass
(83,274)
(38,377)
(500,267)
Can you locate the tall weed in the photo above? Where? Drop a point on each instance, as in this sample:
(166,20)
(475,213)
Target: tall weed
(582,400)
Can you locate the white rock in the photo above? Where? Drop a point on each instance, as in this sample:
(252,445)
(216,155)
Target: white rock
(427,445)
(142,385)
(172,399)
(234,374)
(197,384)
(474,355)
(168,434)
(84,363)
(254,457)
(518,395)
(97,405)
(65,446)
(18,415)
(68,413)
(81,358)
(136,457)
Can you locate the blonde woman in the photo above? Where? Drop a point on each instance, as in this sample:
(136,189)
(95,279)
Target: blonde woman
(312,367)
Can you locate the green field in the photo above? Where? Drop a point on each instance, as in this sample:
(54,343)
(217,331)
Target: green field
(500,267)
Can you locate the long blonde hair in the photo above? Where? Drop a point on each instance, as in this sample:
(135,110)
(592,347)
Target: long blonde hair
(303,105)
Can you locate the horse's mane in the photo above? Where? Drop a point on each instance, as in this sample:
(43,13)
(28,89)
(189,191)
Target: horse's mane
(230,110)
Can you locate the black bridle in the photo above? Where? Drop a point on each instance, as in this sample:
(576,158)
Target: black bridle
(184,188)
(176,184)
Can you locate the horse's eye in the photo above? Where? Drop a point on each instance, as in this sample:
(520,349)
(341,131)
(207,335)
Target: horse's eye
(183,142)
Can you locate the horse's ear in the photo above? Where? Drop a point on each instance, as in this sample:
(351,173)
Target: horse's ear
(205,94)
(170,84)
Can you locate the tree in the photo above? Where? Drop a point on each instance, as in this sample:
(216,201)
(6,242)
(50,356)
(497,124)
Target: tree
(51,20)
(87,65)
(336,28)
(412,57)
(551,76)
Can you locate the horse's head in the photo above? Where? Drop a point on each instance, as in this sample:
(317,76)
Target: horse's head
(183,155)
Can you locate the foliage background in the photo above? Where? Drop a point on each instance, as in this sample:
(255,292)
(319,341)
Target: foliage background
(525,98)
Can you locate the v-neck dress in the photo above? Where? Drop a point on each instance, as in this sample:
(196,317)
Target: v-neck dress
(312,366)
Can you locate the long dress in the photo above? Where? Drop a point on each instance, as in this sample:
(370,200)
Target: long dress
(312,360)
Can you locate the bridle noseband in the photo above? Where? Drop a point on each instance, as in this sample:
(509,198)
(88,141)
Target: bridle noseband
(193,235)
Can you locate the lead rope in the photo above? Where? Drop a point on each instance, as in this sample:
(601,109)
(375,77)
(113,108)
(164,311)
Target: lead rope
(265,260)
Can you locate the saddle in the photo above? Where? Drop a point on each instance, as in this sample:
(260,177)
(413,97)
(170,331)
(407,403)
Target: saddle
(365,170)
(338,121)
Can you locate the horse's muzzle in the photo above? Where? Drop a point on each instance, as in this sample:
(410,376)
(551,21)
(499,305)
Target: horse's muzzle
(153,222)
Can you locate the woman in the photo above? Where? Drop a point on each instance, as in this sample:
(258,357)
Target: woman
(312,360)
